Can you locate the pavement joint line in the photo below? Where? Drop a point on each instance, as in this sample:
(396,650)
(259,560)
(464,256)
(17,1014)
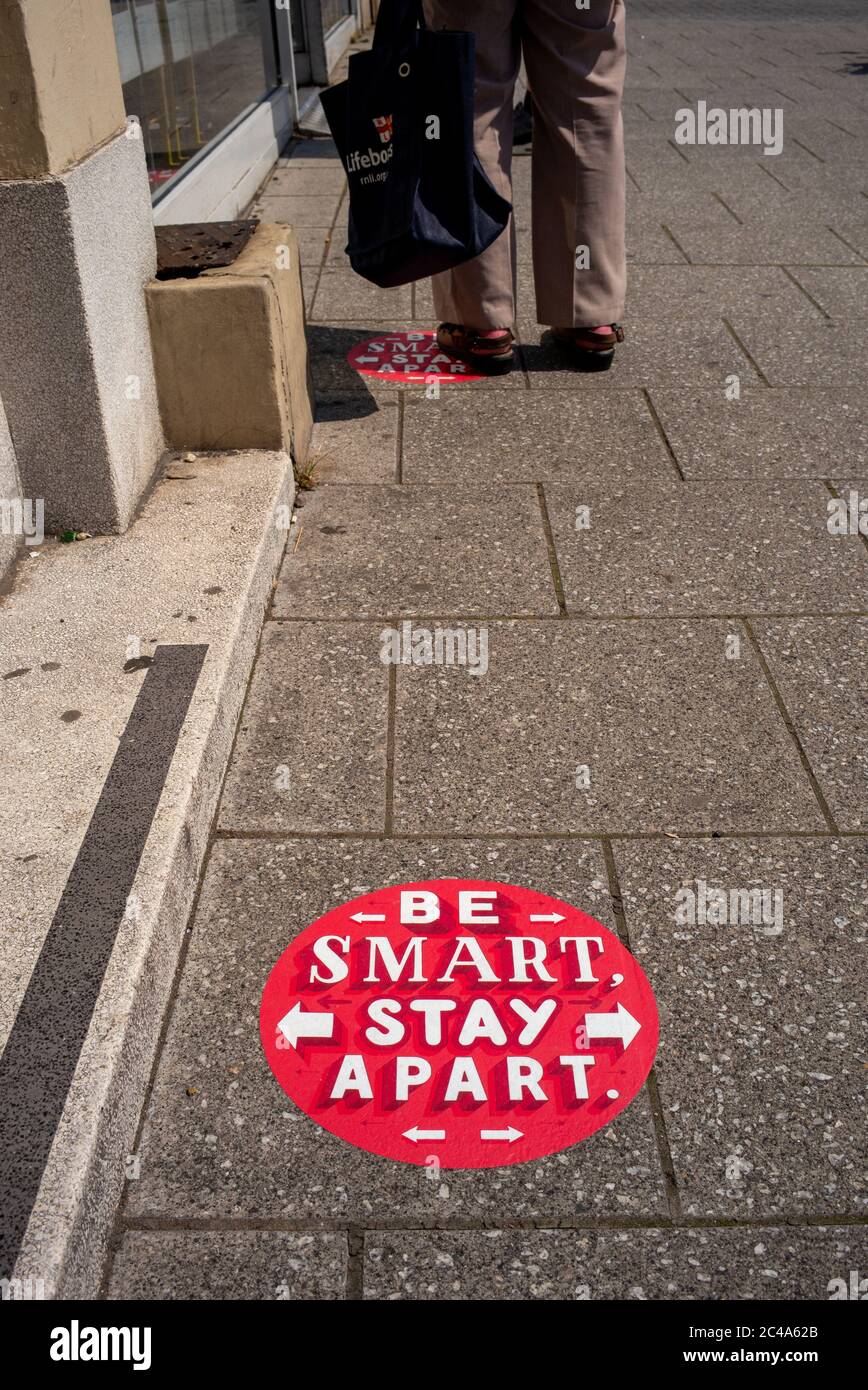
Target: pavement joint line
(523,367)
(658,1120)
(399,439)
(766,170)
(118,1226)
(835,126)
(676,243)
(770,483)
(521,836)
(55,1013)
(791,728)
(355,1284)
(326,249)
(845,242)
(807,149)
(805,292)
(325,1226)
(725,205)
(658,425)
(740,345)
(552,552)
(781,93)
(393,619)
(391,726)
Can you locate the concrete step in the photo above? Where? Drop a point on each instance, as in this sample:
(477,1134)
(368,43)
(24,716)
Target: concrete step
(125,661)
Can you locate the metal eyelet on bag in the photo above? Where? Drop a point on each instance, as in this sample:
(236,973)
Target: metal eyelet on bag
(404,70)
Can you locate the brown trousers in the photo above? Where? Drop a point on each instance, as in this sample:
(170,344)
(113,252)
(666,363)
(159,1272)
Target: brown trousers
(575,61)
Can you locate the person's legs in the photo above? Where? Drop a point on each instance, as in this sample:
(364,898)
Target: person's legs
(480,294)
(575,61)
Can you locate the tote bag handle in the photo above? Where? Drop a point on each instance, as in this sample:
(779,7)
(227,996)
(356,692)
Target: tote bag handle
(397,21)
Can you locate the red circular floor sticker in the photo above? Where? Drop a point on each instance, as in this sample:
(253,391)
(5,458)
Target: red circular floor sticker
(410,356)
(477,1022)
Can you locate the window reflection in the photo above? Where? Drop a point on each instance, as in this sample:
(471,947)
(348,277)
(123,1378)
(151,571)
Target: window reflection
(188,68)
(333,11)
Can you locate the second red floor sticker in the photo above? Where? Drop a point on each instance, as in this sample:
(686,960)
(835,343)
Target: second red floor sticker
(479,1022)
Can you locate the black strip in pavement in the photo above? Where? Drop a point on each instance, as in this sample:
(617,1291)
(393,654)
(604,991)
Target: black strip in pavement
(41,1055)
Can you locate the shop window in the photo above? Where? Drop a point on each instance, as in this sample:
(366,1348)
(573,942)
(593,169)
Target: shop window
(189,69)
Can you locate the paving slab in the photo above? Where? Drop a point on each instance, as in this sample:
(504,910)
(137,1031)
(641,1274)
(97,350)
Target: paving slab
(725,1263)
(313,150)
(709,292)
(819,667)
(664,352)
(653,154)
(822,202)
(245,1265)
(221,1138)
(765,433)
(841,293)
(674,736)
(344,295)
(348,446)
(761,241)
(390,551)
(851,229)
(820,139)
(312,245)
(832,177)
(310,751)
(672,352)
(670,548)
(336,257)
(297,179)
(791,352)
(299,210)
(519,438)
(648,243)
(744,184)
(763,1027)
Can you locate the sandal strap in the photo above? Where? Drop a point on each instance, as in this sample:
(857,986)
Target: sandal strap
(468,340)
(590,341)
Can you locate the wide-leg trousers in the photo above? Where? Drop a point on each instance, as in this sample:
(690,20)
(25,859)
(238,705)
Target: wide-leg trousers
(575,61)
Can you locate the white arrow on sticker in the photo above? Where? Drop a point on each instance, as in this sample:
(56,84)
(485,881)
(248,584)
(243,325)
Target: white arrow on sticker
(547,917)
(368,917)
(619,1024)
(414,1134)
(297,1024)
(510,1135)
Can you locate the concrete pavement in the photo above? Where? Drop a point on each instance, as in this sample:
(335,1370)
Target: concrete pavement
(667,606)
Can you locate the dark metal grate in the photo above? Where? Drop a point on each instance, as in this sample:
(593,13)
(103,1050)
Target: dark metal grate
(185,250)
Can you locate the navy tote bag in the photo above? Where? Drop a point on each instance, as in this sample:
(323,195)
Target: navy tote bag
(403,124)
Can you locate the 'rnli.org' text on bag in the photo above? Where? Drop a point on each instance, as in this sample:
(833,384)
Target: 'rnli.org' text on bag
(403,124)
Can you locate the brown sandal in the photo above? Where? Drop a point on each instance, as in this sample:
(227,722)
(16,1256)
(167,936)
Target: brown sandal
(489,355)
(592,352)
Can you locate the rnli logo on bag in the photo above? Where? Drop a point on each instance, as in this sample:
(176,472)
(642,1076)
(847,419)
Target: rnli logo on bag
(372,158)
(383,126)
